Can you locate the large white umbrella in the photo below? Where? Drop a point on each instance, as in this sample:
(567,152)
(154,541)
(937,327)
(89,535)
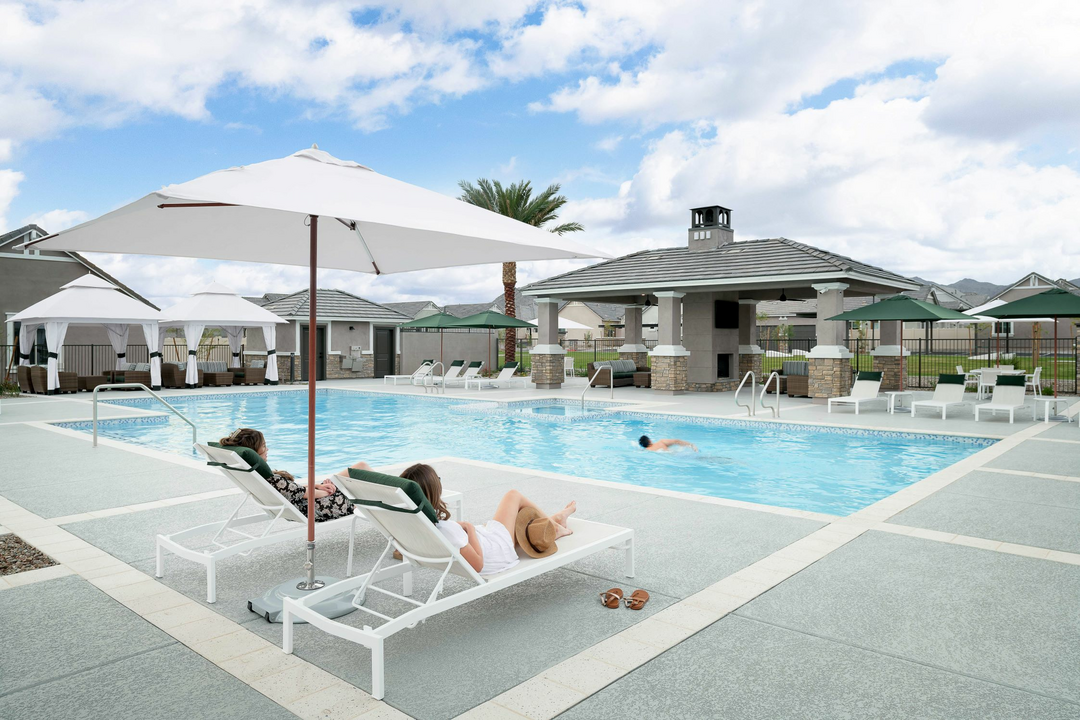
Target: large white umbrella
(371,223)
(218,306)
(88,300)
(978,318)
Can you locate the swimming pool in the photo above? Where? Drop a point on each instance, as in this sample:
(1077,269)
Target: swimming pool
(830,470)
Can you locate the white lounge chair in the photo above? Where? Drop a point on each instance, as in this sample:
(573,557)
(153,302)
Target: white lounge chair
(228,540)
(471,371)
(505,378)
(1009,395)
(949,391)
(416,377)
(451,373)
(865,389)
(413,535)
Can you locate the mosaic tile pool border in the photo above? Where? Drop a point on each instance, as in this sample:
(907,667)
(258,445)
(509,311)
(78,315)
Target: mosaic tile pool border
(149,402)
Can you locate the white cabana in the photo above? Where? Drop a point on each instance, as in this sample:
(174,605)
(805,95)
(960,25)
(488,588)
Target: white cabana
(219,306)
(89,300)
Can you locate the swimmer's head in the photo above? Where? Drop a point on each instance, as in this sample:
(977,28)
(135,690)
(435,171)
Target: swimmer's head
(644,441)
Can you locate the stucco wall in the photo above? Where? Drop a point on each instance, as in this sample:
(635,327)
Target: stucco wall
(418,346)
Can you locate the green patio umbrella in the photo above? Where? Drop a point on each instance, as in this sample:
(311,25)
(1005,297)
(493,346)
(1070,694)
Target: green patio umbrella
(1055,303)
(438,320)
(904,309)
(492,321)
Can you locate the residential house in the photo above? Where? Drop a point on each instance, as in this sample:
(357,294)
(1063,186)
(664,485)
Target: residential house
(415,309)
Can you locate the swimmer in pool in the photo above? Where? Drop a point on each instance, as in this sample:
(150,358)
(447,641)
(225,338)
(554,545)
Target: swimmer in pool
(663,445)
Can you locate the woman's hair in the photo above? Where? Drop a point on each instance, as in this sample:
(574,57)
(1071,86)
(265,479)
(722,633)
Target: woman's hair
(428,480)
(245,437)
(644,441)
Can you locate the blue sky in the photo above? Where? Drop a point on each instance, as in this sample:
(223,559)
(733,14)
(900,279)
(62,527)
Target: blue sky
(933,140)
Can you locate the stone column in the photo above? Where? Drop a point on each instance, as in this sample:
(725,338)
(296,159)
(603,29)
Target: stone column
(669,357)
(830,359)
(751,356)
(632,347)
(888,357)
(547,355)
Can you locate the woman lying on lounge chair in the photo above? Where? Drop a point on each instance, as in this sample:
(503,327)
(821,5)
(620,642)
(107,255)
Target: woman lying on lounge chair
(491,548)
(330,503)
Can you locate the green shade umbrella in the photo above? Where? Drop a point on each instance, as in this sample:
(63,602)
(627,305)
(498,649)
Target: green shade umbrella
(1055,303)
(437,320)
(492,321)
(904,309)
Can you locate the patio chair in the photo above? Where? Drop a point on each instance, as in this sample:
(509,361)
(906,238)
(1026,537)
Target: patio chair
(473,370)
(215,373)
(456,366)
(505,378)
(865,389)
(253,374)
(568,367)
(418,375)
(390,504)
(1034,381)
(249,473)
(987,379)
(172,376)
(1009,396)
(949,391)
(970,378)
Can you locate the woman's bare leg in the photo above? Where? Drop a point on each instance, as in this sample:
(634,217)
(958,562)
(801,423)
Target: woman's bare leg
(512,503)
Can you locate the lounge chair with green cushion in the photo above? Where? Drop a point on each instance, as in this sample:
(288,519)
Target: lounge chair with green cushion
(1009,396)
(505,378)
(865,390)
(471,370)
(250,473)
(949,391)
(452,372)
(391,505)
(417,377)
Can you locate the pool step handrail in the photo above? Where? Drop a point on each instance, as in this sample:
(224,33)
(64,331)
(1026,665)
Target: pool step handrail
(431,375)
(109,386)
(765,388)
(590,382)
(753,393)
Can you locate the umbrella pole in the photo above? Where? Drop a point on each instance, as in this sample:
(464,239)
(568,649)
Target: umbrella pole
(1055,358)
(903,360)
(310,583)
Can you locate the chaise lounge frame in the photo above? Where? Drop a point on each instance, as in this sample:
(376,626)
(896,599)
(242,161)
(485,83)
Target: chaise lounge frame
(421,544)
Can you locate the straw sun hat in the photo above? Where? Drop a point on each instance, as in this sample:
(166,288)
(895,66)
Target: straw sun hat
(535,533)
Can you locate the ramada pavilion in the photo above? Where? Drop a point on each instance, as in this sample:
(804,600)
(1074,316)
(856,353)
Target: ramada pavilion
(707,292)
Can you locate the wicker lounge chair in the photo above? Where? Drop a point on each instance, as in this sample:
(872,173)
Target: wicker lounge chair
(39,380)
(24,380)
(253,374)
(172,376)
(87,383)
(215,373)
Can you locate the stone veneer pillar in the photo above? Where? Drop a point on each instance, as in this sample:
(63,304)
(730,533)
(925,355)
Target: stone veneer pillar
(830,359)
(888,358)
(669,357)
(633,348)
(751,356)
(546,357)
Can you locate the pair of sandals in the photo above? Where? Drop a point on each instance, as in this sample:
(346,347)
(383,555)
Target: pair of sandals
(614,596)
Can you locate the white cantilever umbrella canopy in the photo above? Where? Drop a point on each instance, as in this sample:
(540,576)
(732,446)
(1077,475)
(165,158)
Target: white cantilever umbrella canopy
(354,219)
(88,300)
(398,227)
(218,306)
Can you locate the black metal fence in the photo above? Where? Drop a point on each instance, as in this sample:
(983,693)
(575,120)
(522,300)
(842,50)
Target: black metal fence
(582,351)
(96,359)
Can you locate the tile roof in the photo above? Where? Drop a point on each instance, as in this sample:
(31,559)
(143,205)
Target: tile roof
(334,304)
(524,306)
(410,308)
(746,258)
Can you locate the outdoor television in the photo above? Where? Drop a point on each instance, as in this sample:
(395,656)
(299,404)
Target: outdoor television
(726,315)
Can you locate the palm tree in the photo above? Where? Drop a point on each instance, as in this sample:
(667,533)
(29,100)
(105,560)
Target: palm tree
(517,201)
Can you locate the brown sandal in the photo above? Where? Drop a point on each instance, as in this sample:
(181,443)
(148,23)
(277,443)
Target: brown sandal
(637,600)
(611,598)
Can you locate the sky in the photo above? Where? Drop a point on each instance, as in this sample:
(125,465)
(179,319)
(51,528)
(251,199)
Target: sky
(933,139)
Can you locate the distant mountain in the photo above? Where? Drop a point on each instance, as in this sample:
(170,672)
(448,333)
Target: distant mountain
(967,285)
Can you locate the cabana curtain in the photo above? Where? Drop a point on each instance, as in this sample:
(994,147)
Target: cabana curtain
(118,338)
(54,340)
(27,334)
(153,346)
(192,335)
(235,333)
(270,340)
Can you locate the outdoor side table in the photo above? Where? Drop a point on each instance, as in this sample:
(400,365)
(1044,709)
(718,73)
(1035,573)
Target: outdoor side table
(798,385)
(642,379)
(89,382)
(896,399)
(1047,402)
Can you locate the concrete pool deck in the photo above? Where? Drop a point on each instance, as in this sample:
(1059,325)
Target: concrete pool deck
(951,598)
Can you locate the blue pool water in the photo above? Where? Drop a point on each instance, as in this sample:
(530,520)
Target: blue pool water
(824,470)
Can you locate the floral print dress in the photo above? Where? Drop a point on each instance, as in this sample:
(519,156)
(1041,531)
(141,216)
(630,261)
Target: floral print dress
(326,508)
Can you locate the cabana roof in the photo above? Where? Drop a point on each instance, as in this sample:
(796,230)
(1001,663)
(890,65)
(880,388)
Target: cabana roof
(217,305)
(88,300)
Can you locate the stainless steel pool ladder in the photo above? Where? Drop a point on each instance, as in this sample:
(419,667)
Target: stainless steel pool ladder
(764,388)
(194,430)
(435,387)
(588,385)
(753,393)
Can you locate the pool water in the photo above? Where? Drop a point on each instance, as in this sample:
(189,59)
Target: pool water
(558,410)
(836,471)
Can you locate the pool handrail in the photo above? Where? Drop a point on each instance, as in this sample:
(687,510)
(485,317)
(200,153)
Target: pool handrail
(431,374)
(765,388)
(589,384)
(108,386)
(750,411)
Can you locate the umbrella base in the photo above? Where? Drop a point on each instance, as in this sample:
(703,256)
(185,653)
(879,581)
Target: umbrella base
(270,604)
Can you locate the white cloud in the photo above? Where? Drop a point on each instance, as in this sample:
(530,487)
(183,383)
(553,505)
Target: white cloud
(509,166)
(56,220)
(9,188)
(608,144)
